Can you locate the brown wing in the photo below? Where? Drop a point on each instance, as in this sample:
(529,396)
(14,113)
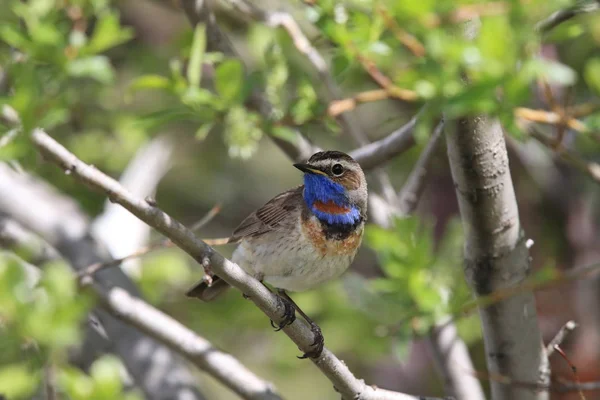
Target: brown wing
(268,216)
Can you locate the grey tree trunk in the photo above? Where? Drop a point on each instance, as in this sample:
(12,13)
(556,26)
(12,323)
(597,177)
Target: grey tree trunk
(496,256)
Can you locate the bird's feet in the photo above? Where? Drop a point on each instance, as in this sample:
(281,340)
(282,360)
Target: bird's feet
(318,343)
(289,314)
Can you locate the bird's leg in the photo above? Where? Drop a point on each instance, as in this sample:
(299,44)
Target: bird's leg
(319,341)
(289,312)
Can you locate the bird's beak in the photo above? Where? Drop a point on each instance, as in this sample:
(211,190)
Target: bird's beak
(308,169)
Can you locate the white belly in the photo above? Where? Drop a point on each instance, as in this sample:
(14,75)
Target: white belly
(292,263)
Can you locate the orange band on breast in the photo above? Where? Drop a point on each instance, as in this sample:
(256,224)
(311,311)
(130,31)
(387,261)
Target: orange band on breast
(330,207)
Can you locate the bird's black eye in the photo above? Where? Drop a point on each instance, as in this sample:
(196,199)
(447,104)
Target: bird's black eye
(337,169)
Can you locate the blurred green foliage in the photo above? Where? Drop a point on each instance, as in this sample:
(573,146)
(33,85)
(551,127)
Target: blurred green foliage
(40,321)
(75,69)
(422,282)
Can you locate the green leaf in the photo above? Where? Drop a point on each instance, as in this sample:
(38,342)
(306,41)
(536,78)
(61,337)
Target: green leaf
(17,381)
(592,74)
(94,67)
(149,82)
(75,383)
(229,80)
(107,34)
(373,303)
(196,97)
(46,34)
(194,70)
(105,373)
(204,130)
(156,119)
(285,133)
(14,37)
(241,132)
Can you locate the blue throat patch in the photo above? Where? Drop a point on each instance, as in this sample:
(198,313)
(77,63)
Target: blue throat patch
(319,188)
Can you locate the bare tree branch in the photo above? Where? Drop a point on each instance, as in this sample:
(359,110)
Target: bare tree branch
(336,371)
(415,184)
(590,168)
(394,144)
(557,18)
(560,336)
(50,382)
(159,372)
(25,244)
(161,244)
(452,360)
(224,367)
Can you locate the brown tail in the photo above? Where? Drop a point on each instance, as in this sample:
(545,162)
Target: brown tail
(202,291)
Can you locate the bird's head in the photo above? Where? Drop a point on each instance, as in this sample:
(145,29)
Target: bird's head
(335,188)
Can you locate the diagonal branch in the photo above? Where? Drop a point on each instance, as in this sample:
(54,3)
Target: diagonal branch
(335,370)
(222,366)
(415,184)
(394,144)
(557,18)
(590,168)
(560,337)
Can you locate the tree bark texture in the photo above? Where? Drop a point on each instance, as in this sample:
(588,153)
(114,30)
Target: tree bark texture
(495,255)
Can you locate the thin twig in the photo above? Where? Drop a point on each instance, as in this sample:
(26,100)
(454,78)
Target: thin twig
(94,268)
(583,110)
(560,336)
(415,184)
(590,168)
(9,116)
(566,386)
(408,40)
(573,368)
(559,386)
(334,369)
(548,117)
(8,137)
(451,357)
(50,382)
(380,151)
(557,18)
(393,91)
(338,107)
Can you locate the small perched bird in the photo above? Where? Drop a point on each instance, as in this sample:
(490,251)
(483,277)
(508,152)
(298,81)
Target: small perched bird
(303,237)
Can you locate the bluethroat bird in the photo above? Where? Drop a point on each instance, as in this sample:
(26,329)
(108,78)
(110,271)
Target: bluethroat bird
(303,237)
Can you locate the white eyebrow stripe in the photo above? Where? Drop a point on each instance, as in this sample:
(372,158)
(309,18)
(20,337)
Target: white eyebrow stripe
(324,164)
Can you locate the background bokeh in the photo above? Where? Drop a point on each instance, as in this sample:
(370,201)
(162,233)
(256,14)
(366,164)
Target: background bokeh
(105,78)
